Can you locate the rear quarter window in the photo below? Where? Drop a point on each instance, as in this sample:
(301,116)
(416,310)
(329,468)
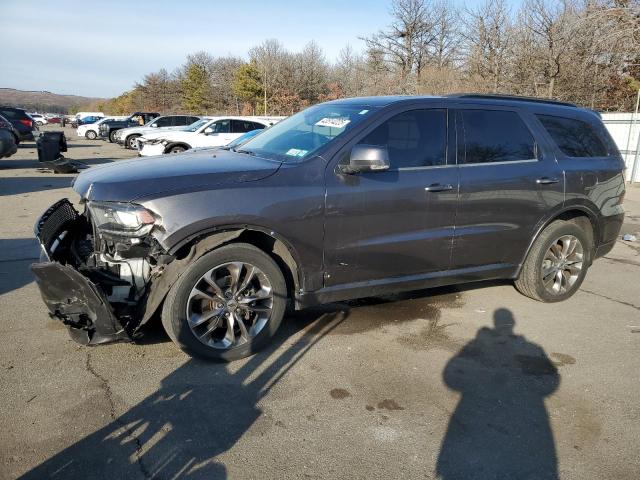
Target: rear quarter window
(575,138)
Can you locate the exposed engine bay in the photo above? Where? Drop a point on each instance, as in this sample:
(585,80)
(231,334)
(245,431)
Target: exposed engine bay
(96,267)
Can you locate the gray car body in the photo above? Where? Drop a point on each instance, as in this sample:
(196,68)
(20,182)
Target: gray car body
(349,236)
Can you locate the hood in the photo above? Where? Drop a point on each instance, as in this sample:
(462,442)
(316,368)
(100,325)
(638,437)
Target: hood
(128,180)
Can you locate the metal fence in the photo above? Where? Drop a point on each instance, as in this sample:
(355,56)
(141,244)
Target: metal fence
(625,130)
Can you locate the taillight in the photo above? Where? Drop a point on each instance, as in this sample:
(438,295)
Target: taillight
(26,122)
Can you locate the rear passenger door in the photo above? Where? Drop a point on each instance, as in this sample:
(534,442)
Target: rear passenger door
(509,180)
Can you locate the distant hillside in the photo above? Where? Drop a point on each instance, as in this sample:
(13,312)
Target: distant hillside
(42,101)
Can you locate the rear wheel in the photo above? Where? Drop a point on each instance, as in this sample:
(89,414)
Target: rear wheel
(228,303)
(90,135)
(557,263)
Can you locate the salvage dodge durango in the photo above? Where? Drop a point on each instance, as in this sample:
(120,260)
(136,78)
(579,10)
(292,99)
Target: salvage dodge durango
(346,199)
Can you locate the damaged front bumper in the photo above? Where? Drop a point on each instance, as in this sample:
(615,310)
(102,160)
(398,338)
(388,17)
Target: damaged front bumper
(79,304)
(78,288)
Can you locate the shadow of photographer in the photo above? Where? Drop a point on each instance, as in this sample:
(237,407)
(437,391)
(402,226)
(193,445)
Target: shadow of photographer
(500,428)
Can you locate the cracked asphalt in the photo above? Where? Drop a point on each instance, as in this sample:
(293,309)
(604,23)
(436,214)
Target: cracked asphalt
(469,382)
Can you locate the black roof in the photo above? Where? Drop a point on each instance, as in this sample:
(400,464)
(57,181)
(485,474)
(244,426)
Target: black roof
(383,101)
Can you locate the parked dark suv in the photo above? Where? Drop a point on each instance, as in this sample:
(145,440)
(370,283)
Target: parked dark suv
(350,198)
(22,122)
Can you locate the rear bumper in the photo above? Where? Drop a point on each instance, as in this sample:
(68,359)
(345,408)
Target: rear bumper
(609,231)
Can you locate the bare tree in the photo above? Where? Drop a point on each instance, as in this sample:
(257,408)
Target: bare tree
(488,36)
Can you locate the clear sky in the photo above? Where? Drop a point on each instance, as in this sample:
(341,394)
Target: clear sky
(101,48)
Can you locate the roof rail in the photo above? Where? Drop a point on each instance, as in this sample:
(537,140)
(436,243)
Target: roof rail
(481,96)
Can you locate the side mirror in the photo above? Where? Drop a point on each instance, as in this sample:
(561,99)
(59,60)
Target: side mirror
(366,158)
(154,125)
(209,131)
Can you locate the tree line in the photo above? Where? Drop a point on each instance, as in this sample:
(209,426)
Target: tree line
(582,51)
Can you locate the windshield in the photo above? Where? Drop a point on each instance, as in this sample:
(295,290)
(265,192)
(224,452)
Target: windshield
(242,139)
(196,125)
(297,137)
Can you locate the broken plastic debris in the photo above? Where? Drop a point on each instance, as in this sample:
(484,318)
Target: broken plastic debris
(629,238)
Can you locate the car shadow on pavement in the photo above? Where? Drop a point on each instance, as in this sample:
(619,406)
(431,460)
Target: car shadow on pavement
(200,411)
(16,255)
(500,428)
(19,185)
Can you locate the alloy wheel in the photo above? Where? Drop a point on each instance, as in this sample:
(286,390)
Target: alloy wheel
(229,305)
(562,264)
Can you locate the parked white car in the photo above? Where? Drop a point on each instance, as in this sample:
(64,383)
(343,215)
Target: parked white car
(91,130)
(129,136)
(211,132)
(39,119)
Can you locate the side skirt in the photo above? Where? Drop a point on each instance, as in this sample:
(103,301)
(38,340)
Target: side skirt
(401,284)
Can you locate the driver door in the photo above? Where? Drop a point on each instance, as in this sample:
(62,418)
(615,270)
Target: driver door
(220,134)
(398,222)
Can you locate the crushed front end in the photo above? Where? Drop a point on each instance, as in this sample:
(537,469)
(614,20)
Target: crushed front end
(96,267)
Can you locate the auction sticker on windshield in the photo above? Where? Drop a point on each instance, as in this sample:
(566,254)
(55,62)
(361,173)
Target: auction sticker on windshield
(296,152)
(333,122)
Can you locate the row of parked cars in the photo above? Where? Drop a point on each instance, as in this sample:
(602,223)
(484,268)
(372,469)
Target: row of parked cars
(153,134)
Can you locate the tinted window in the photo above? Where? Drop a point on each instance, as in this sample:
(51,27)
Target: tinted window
(417,138)
(574,137)
(13,113)
(495,136)
(164,122)
(221,126)
(243,126)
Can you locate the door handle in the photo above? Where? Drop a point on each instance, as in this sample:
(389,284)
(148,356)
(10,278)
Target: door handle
(547,180)
(436,187)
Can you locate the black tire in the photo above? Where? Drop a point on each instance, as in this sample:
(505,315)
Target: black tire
(130,142)
(112,136)
(174,311)
(90,135)
(530,282)
(177,149)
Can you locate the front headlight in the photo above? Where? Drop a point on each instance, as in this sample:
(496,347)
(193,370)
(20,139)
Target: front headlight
(122,219)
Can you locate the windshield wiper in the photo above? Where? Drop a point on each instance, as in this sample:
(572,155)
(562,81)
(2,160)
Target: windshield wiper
(248,152)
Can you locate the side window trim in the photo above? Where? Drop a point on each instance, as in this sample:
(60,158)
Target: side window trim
(461,143)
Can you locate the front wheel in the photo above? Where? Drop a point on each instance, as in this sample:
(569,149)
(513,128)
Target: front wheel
(112,136)
(557,263)
(90,135)
(177,149)
(132,142)
(227,305)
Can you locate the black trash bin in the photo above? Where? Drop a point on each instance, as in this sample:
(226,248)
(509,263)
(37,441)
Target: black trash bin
(50,145)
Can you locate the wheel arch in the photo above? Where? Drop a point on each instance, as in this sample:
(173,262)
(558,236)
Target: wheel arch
(128,137)
(197,245)
(169,146)
(580,214)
